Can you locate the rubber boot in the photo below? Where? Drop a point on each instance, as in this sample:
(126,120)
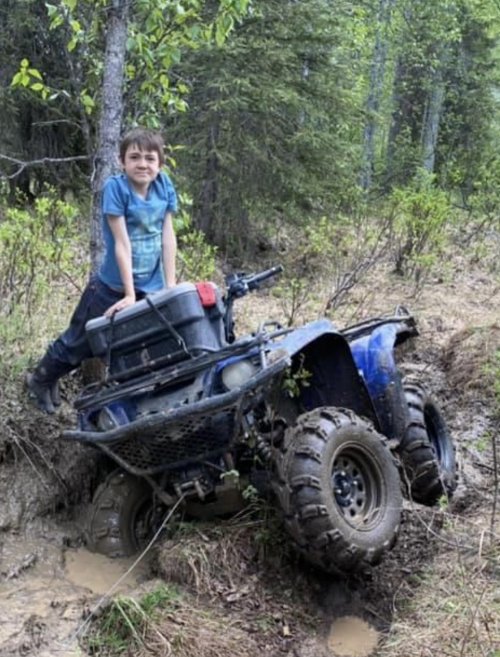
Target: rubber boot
(40,392)
(42,384)
(55,394)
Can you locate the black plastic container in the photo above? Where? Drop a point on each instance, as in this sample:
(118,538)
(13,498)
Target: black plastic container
(165,327)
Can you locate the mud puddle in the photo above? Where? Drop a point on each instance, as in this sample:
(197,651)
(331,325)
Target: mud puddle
(47,591)
(351,636)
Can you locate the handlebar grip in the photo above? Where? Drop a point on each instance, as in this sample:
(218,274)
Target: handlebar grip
(254,280)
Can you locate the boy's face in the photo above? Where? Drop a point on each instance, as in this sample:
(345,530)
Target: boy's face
(141,167)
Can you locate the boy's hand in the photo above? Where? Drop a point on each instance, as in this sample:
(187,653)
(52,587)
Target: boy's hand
(128,300)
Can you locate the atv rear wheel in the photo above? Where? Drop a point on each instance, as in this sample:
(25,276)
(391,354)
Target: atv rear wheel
(339,488)
(123,516)
(427,451)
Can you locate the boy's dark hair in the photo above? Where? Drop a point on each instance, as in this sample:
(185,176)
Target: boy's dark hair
(145,140)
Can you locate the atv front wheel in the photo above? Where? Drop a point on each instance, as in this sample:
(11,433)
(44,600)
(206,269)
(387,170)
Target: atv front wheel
(123,516)
(427,451)
(339,488)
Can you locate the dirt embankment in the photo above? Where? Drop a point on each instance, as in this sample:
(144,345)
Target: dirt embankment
(240,588)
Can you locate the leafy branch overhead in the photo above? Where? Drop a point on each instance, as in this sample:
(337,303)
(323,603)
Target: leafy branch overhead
(158,33)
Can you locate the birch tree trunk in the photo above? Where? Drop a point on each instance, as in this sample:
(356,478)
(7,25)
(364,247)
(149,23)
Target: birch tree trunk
(377,74)
(110,124)
(431,119)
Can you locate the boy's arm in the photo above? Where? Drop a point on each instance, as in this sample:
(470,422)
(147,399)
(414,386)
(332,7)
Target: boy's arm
(123,253)
(169,250)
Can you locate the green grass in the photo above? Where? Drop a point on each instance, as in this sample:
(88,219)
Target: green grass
(124,623)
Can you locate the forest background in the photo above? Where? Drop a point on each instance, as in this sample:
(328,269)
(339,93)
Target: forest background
(357,143)
(338,132)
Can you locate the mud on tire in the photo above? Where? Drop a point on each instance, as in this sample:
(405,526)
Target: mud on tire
(339,488)
(121,518)
(427,452)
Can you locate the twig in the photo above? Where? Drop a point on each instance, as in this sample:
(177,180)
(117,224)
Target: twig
(347,280)
(474,614)
(495,485)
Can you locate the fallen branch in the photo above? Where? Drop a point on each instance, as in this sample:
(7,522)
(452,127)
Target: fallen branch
(21,165)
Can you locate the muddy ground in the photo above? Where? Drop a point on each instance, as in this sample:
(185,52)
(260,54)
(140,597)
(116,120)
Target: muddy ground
(240,595)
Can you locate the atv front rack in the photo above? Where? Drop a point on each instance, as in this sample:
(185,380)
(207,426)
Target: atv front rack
(171,439)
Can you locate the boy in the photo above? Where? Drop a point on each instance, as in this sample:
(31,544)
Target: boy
(140,250)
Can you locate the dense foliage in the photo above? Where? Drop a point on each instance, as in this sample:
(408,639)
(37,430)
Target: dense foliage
(278,113)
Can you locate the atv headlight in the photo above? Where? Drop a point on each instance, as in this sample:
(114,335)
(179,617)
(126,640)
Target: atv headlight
(236,374)
(106,420)
(111,417)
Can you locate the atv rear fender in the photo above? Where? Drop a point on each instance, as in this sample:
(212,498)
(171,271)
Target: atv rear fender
(325,371)
(374,357)
(354,368)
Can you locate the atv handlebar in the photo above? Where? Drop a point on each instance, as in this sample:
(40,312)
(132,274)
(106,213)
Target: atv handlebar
(238,285)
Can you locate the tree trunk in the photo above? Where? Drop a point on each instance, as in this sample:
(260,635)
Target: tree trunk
(430,124)
(377,74)
(207,222)
(106,159)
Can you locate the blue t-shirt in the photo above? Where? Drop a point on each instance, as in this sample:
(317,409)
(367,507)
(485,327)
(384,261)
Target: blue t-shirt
(144,219)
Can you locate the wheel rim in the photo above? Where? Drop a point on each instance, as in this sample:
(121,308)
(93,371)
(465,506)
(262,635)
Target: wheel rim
(145,521)
(357,487)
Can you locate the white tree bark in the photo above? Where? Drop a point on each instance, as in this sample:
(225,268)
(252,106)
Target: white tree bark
(431,120)
(377,73)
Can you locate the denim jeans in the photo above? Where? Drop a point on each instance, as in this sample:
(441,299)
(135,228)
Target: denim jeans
(71,348)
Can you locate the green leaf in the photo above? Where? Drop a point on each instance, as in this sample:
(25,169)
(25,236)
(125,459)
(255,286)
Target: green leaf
(37,86)
(220,35)
(35,74)
(88,102)
(57,21)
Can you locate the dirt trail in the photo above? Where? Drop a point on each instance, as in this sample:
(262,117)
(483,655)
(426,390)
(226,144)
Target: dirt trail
(48,582)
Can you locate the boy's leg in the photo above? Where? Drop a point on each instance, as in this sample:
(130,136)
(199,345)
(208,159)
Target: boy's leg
(71,347)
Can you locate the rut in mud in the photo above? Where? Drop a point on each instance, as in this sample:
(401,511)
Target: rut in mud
(257,594)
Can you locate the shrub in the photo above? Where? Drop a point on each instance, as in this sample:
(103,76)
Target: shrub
(420,214)
(37,244)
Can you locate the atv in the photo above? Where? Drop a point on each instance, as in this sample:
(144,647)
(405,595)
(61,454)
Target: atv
(191,416)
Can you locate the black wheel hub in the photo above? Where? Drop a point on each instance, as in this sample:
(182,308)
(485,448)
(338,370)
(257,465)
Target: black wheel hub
(357,487)
(344,487)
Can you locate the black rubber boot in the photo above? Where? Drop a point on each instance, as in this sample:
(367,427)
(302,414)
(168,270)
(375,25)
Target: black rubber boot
(43,385)
(55,394)
(40,392)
